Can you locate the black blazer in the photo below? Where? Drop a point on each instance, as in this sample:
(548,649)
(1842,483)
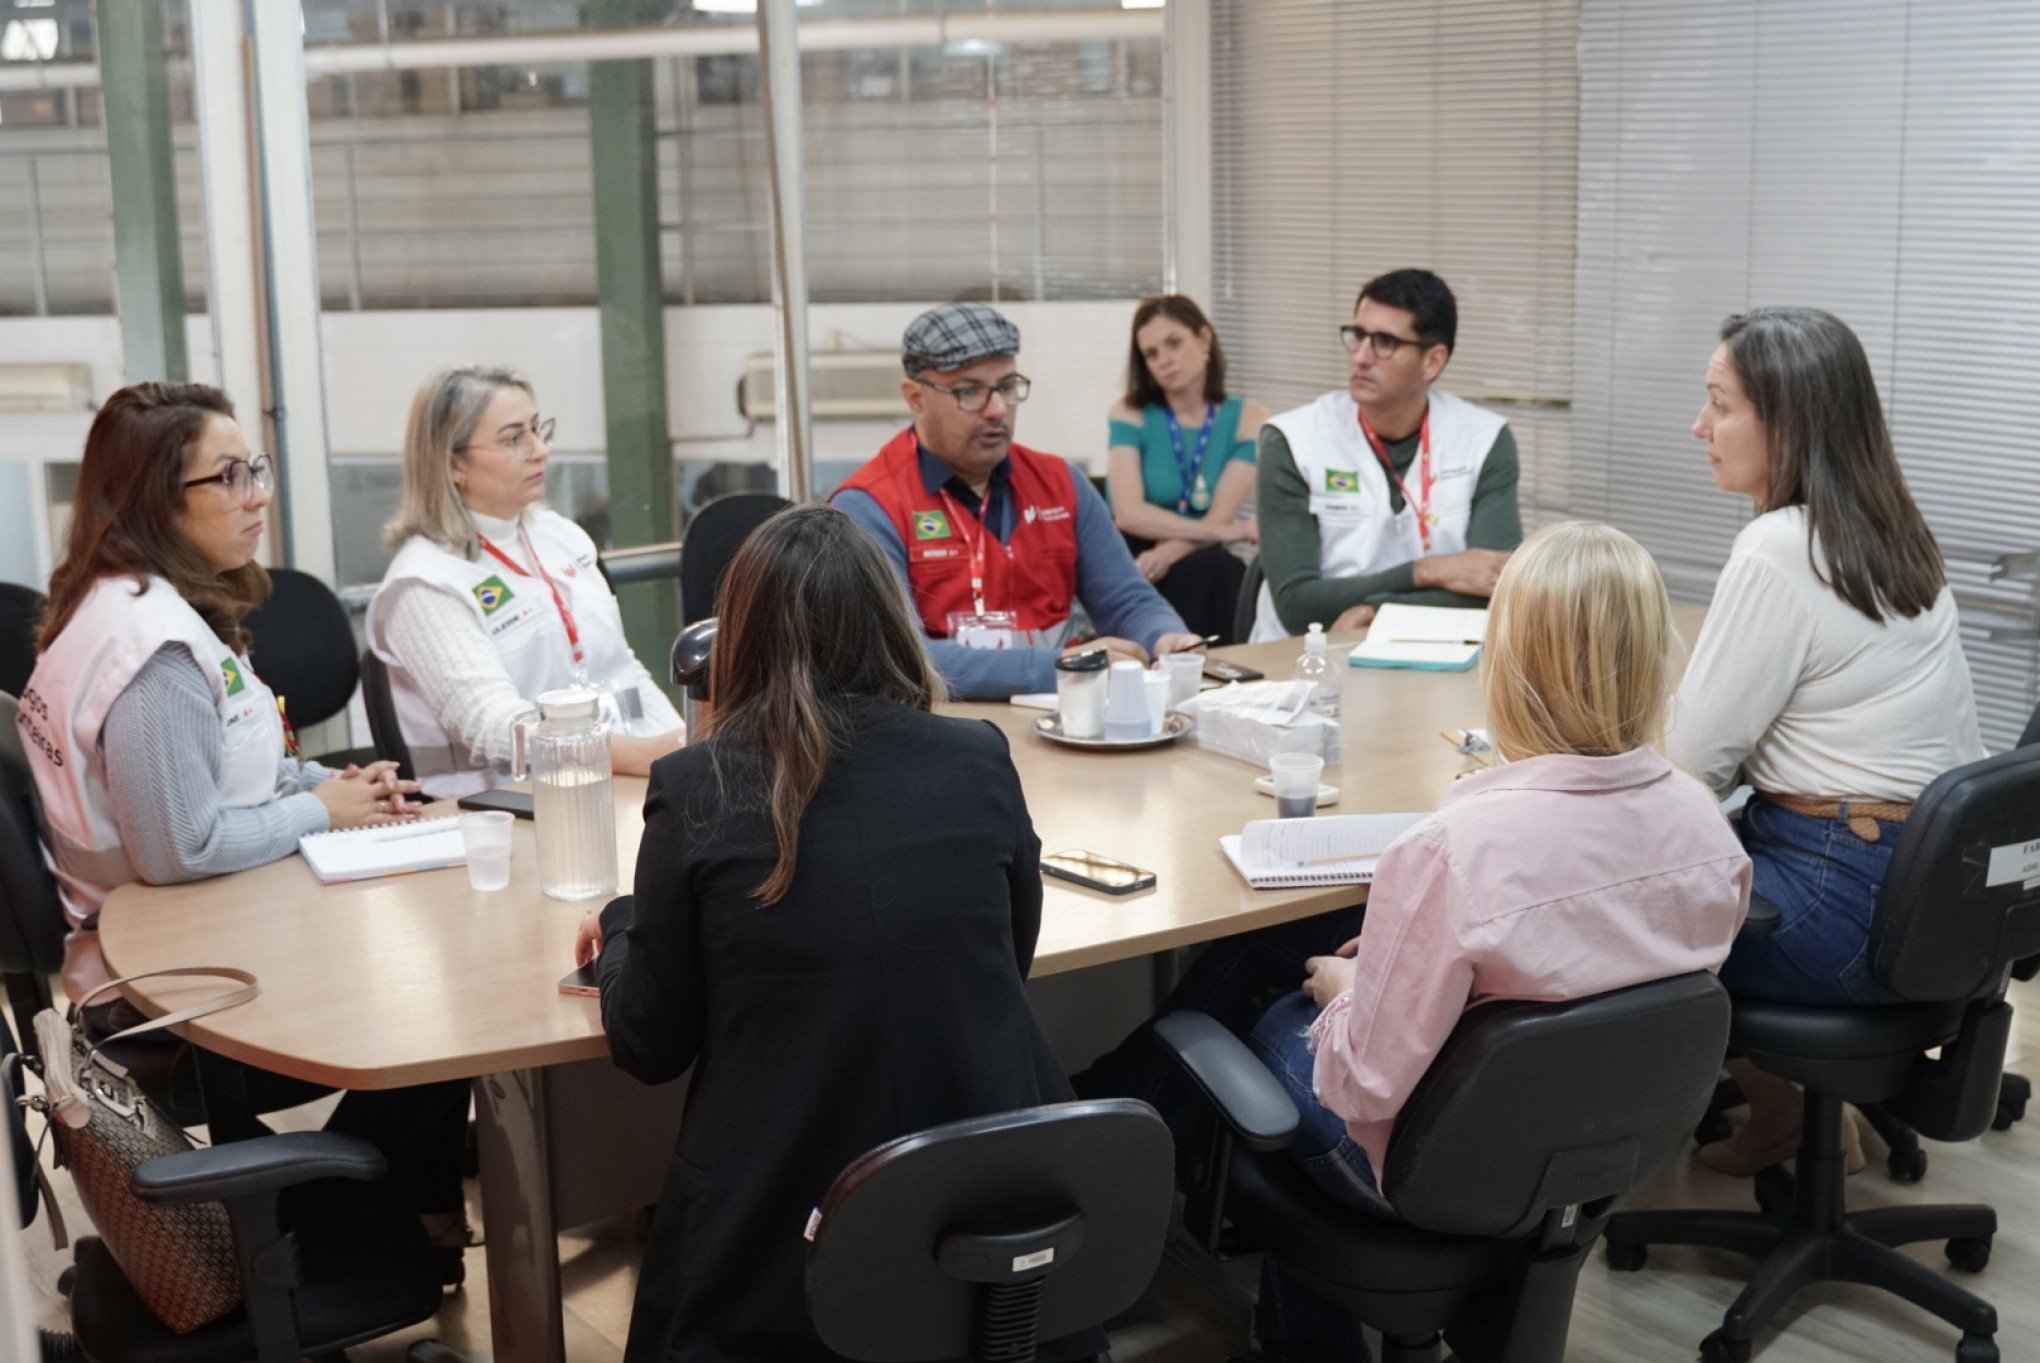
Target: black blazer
(883,994)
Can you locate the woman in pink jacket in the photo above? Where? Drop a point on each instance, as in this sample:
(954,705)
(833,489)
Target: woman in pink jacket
(1585,863)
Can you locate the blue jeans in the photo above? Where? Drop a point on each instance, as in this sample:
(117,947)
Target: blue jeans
(1824,880)
(1294,1322)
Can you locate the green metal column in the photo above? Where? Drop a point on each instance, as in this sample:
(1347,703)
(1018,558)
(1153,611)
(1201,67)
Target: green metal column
(631,291)
(150,275)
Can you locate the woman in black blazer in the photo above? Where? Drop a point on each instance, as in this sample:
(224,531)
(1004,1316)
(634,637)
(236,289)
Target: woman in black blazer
(835,909)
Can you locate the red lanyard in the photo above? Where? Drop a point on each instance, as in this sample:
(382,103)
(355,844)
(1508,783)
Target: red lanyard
(559,601)
(1425,478)
(974,545)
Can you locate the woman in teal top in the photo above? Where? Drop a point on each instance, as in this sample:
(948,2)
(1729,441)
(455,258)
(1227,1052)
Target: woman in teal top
(1182,463)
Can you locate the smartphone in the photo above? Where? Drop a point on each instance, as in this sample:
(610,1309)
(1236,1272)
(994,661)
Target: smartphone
(582,981)
(1222,670)
(516,802)
(1098,873)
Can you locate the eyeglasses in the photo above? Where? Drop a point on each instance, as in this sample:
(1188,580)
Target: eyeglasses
(1385,343)
(972,397)
(242,477)
(540,428)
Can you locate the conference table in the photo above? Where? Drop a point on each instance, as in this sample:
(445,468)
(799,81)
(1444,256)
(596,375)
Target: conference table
(412,979)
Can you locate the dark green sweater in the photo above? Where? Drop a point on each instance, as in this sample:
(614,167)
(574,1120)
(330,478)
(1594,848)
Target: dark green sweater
(1292,554)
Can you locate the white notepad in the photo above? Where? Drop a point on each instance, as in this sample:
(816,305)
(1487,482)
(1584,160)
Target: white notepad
(1340,850)
(1423,638)
(365,853)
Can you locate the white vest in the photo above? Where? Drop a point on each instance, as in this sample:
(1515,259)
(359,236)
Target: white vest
(113,633)
(1357,532)
(518,615)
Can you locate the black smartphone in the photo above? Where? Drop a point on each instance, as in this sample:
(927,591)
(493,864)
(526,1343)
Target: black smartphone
(1222,670)
(1097,873)
(516,802)
(583,982)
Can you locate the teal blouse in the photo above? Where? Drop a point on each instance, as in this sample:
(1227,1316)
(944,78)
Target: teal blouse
(1161,480)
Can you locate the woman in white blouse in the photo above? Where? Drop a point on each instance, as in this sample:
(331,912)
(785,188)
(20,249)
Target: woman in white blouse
(1829,675)
(493,598)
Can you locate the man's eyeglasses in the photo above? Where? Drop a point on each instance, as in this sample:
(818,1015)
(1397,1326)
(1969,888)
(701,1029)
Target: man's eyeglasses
(520,441)
(972,397)
(1385,343)
(242,477)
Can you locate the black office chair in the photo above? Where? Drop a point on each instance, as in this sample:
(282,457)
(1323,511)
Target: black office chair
(381,705)
(1943,939)
(712,539)
(1249,604)
(303,650)
(20,611)
(979,1238)
(1504,1165)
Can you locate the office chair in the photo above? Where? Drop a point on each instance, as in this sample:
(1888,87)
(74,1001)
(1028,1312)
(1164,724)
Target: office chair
(714,534)
(1532,1120)
(304,650)
(383,729)
(1249,604)
(979,1238)
(1944,939)
(20,611)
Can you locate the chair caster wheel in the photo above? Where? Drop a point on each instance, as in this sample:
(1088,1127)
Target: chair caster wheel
(2010,1111)
(1773,1188)
(1906,1166)
(65,1281)
(1626,1258)
(1719,1348)
(452,1267)
(1976,1349)
(1971,1254)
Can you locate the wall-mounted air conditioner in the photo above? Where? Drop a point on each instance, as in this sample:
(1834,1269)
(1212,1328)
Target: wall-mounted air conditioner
(52,387)
(847,385)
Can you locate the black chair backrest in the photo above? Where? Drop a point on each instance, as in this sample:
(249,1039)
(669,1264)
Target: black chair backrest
(32,924)
(1956,908)
(383,728)
(20,610)
(1536,1107)
(901,1222)
(713,537)
(1249,603)
(304,647)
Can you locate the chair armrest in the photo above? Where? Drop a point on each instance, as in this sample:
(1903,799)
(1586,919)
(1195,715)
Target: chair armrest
(1249,1099)
(241,1169)
(1763,918)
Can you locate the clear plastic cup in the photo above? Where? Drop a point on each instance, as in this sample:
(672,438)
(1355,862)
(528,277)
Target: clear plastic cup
(1296,783)
(485,836)
(1186,675)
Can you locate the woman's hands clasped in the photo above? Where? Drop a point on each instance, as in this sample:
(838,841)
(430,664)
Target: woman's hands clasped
(365,797)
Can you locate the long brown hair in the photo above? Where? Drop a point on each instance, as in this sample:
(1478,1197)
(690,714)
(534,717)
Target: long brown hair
(810,615)
(130,486)
(1829,451)
(1141,388)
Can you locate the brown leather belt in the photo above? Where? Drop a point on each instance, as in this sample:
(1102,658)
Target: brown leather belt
(1862,816)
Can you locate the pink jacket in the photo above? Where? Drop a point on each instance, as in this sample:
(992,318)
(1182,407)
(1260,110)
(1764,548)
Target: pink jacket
(1552,878)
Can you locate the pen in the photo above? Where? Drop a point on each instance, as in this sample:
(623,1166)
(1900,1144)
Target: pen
(416,830)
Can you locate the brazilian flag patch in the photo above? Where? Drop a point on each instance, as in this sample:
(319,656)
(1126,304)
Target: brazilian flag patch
(231,671)
(931,525)
(1342,480)
(491,594)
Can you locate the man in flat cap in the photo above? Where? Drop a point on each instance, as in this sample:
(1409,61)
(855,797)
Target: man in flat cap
(994,540)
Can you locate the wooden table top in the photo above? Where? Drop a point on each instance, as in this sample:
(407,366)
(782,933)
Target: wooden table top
(382,983)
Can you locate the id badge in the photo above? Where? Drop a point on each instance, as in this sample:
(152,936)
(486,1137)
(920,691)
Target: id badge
(1332,508)
(621,708)
(984,629)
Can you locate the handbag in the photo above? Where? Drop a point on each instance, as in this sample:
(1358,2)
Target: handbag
(180,1260)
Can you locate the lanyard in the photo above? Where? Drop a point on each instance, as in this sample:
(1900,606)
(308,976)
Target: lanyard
(559,601)
(974,544)
(1190,469)
(1425,479)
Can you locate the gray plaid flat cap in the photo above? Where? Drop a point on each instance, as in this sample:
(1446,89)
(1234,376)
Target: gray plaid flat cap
(956,334)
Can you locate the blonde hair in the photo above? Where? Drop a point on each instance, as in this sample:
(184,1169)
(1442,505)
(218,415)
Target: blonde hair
(444,413)
(1578,645)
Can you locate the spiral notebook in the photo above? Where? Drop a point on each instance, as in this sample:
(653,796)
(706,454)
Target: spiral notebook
(1341,849)
(365,853)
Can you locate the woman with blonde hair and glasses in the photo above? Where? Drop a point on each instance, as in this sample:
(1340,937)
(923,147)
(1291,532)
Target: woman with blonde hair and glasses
(1530,882)
(493,597)
(836,904)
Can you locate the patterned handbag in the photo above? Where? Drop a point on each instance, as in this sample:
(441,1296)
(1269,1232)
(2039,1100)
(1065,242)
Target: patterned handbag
(180,1260)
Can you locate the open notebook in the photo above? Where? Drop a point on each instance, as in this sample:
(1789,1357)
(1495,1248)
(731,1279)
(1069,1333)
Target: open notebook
(1423,638)
(365,853)
(1339,850)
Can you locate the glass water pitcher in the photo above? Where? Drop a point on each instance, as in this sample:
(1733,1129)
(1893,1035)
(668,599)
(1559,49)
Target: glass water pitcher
(564,749)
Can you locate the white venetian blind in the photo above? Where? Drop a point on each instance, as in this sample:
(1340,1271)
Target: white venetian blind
(1878,158)
(1361,136)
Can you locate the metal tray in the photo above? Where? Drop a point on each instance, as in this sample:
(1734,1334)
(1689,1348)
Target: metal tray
(1174,726)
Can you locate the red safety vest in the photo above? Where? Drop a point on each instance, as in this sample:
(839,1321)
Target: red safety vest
(1033,574)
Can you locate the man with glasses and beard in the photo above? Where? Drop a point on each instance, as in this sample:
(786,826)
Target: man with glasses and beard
(995,541)
(1389,490)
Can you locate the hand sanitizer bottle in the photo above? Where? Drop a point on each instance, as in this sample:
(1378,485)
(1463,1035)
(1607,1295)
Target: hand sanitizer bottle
(1316,667)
